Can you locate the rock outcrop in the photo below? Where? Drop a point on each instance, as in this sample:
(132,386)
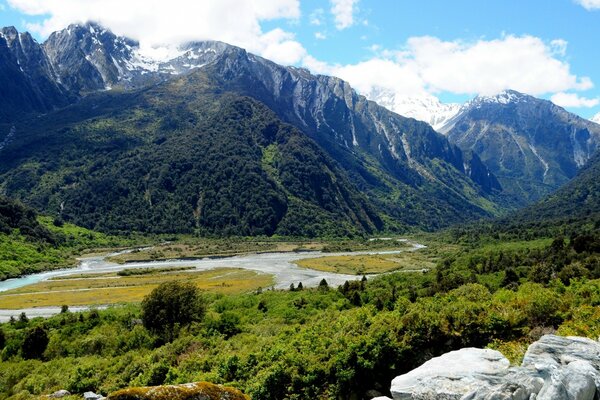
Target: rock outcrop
(554,368)
(188,391)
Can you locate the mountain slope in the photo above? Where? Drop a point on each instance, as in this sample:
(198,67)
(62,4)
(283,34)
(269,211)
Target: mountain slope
(596,118)
(181,157)
(30,243)
(27,79)
(406,169)
(531,145)
(577,203)
(411,170)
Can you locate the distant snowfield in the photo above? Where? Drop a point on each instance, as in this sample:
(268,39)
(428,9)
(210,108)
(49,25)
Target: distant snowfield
(423,108)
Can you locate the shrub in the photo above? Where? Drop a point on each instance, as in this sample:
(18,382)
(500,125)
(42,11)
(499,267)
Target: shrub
(35,343)
(171,304)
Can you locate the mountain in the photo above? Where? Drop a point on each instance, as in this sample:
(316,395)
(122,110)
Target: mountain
(425,108)
(89,57)
(28,82)
(533,146)
(596,118)
(576,205)
(410,174)
(397,161)
(181,157)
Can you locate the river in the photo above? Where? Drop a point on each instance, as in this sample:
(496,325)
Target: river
(280,265)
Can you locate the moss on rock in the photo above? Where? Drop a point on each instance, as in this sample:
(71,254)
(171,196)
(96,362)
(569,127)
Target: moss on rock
(188,391)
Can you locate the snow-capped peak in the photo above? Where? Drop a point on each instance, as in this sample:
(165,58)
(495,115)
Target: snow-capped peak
(425,108)
(504,97)
(596,118)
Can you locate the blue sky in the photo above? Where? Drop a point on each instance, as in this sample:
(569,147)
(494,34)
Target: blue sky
(450,49)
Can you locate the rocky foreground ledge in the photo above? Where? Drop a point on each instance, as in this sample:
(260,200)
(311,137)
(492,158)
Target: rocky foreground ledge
(554,368)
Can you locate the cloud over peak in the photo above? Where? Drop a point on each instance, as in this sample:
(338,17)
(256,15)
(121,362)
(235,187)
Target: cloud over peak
(157,23)
(427,64)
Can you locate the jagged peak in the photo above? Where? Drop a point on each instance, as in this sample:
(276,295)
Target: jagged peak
(9,31)
(504,97)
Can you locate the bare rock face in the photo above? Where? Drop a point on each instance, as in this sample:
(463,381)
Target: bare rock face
(451,375)
(554,368)
(188,391)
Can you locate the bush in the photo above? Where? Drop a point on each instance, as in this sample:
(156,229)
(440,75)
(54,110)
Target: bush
(35,343)
(172,304)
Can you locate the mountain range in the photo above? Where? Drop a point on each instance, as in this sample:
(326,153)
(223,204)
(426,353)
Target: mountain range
(532,145)
(95,130)
(137,148)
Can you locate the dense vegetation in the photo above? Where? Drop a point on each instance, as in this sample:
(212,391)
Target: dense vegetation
(181,158)
(572,210)
(30,243)
(323,342)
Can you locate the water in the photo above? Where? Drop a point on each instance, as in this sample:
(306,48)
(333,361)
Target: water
(281,265)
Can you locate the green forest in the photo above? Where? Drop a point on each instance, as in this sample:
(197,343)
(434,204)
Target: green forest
(31,243)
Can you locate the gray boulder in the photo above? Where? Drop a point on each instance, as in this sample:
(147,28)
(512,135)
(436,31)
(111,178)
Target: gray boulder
(59,394)
(451,375)
(554,368)
(92,396)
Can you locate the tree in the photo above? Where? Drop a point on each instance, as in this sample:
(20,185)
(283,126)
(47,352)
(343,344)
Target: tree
(323,285)
(171,304)
(35,343)
(2,339)
(510,277)
(262,306)
(23,318)
(300,287)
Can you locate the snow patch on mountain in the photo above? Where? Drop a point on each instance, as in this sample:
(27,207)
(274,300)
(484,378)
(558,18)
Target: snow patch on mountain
(425,108)
(596,118)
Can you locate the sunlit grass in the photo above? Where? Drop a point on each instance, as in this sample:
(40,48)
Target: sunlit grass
(370,264)
(114,289)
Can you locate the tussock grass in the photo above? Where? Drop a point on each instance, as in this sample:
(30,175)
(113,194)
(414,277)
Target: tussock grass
(114,289)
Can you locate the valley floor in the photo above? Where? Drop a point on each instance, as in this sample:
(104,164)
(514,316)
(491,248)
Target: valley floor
(316,341)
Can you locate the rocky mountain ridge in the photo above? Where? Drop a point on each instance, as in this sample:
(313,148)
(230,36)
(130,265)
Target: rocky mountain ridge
(408,170)
(532,145)
(28,82)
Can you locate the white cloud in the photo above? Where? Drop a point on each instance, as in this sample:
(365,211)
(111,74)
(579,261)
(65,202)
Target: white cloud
(573,100)
(155,22)
(376,74)
(320,36)
(589,4)
(343,13)
(429,65)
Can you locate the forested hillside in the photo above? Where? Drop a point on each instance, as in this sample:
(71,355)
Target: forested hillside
(30,243)
(182,157)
